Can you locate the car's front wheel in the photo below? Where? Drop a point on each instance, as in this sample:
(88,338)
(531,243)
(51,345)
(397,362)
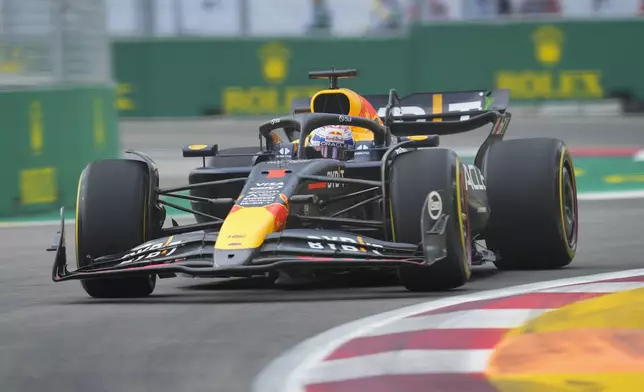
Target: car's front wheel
(112,216)
(415,177)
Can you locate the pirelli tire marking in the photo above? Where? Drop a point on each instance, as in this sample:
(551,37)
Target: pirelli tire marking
(434,205)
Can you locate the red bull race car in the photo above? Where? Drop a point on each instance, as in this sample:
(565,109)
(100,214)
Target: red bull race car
(394,200)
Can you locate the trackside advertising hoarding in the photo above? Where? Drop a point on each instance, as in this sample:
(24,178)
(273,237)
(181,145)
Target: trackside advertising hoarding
(48,136)
(563,61)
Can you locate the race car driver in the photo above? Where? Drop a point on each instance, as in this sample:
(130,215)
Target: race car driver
(331,141)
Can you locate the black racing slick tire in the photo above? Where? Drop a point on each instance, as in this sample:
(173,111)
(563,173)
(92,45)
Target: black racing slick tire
(532,194)
(112,216)
(413,176)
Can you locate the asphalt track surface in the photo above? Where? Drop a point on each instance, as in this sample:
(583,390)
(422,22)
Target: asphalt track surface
(214,335)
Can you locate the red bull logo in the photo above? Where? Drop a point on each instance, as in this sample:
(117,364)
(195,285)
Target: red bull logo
(334,137)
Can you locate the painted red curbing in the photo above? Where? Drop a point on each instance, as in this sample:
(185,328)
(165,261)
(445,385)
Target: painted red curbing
(353,367)
(437,339)
(524,301)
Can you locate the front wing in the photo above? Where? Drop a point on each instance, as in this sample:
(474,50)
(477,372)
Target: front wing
(192,254)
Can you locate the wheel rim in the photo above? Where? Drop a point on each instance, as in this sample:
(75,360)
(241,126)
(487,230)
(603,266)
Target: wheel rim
(569,207)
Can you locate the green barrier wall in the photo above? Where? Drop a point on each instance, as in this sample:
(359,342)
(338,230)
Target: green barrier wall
(48,136)
(554,61)
(178,78)
(537,61)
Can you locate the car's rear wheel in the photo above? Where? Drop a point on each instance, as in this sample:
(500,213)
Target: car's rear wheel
(112,216)
(413,176)
(532,193)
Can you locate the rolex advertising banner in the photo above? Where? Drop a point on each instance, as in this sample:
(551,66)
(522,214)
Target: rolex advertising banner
(580,60)
(185,78)
(555,61)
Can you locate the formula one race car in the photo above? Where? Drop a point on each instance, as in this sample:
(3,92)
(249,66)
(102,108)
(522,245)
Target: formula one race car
(395,202)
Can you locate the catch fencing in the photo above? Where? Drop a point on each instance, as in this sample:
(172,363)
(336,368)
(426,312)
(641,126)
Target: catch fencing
(53,42)
(338,18)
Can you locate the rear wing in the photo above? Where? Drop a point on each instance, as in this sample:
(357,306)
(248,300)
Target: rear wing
(453,105)
(441,113)
(441,106)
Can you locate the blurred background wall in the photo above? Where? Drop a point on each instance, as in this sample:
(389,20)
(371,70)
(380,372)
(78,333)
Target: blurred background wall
(57,99)
(183,58)
(71,71)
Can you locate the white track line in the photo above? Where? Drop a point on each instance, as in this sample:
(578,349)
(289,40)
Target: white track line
(466,319)
(614,195)
(601,287)
(398,363)
(286,373)
(639,156)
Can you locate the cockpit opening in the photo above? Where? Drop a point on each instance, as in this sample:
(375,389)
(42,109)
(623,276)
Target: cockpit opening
(337,103)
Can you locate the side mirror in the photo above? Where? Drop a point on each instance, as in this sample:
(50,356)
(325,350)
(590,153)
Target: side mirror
(200,150)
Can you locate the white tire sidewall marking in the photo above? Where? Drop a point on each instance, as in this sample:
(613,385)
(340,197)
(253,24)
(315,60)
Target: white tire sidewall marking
(434,197)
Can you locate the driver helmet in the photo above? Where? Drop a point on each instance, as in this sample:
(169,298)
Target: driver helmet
(332,141)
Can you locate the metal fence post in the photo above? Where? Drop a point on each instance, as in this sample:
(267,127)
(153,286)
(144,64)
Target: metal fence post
(56,41)
(244,17)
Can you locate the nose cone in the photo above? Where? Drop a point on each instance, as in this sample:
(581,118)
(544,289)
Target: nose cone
(242,234)
(245,228)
